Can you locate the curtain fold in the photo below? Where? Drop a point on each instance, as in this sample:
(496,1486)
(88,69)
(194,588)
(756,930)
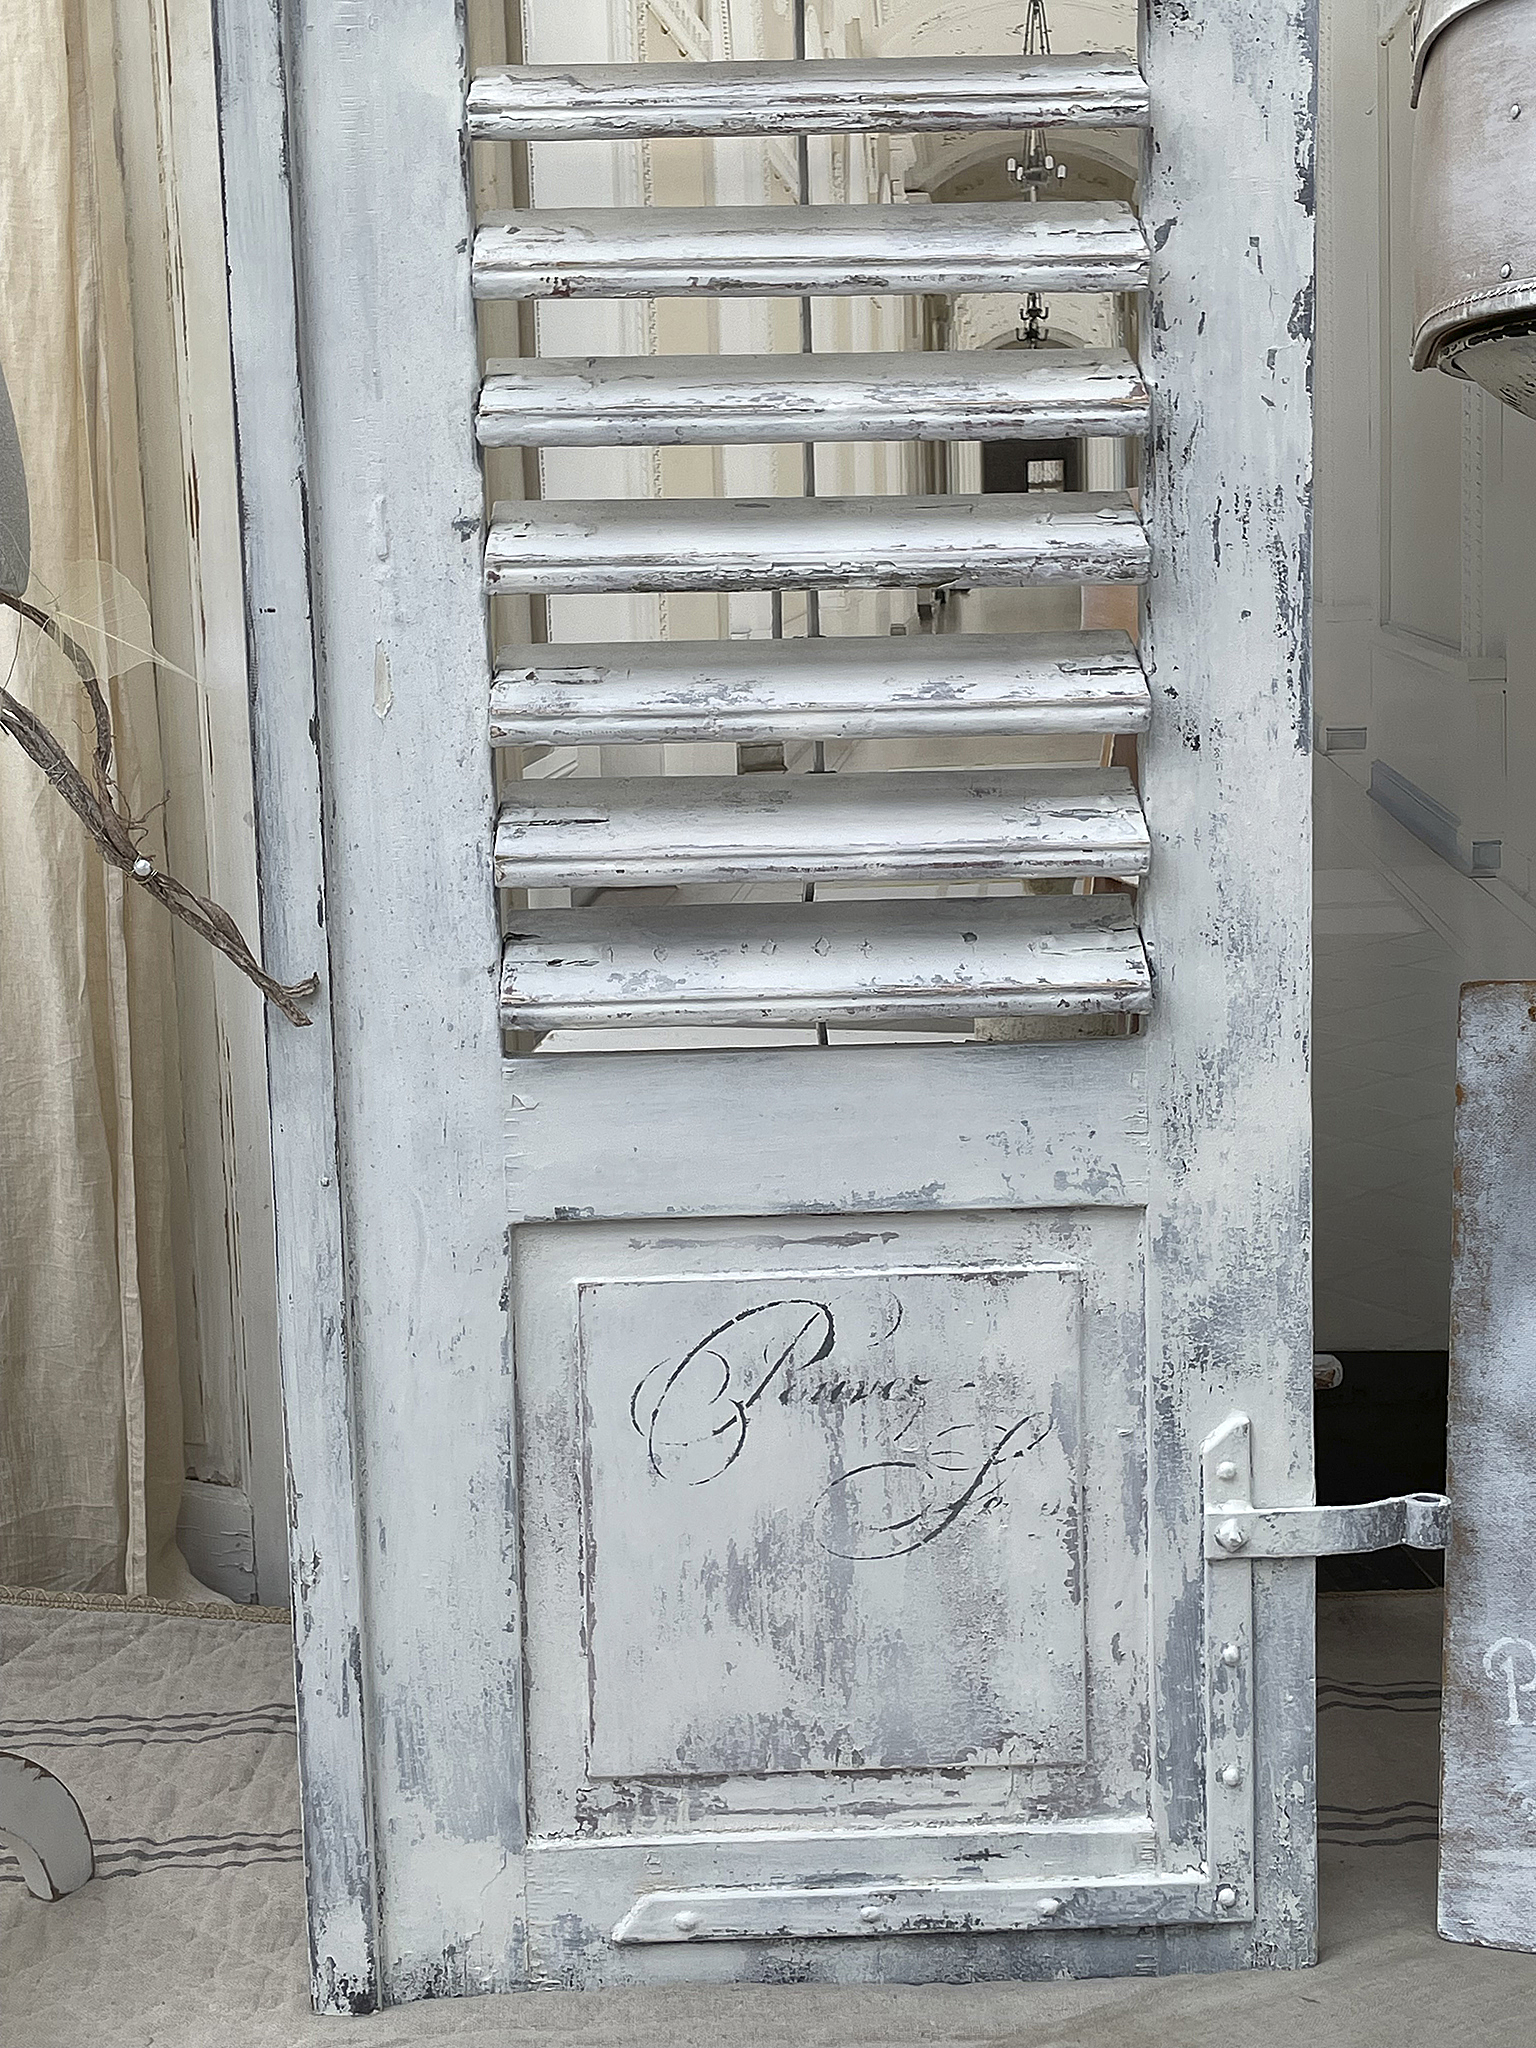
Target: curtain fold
(90,1406)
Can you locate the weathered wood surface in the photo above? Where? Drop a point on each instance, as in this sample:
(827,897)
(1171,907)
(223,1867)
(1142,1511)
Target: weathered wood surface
(15,510)
(817,689)
(1488,1725)
(618,102)
(654,251)
(851,1912)
(824,543)
(997,394)
(733,1171)
(1226,779)
(341,1875)
(700,1652)
(930,825)
(987,1127)
(43,1828)
(788,963)
(427,1659)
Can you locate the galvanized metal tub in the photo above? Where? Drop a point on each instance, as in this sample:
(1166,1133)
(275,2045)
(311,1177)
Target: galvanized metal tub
(1474,194)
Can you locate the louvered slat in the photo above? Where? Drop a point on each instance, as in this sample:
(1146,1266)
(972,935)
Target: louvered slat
(655,251)
(826,543)
(983,394)
(618,102)
(929,826)
(797,963)
(941,684)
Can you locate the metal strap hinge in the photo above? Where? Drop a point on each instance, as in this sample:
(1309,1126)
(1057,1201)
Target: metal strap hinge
(1235,1528)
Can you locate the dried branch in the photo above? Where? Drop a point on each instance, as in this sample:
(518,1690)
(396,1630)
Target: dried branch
(117,833)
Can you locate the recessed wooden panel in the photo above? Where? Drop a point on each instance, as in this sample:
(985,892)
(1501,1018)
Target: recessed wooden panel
(832,1520)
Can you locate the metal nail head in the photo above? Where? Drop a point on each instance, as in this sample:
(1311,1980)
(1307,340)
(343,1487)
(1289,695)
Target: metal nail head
(1048,1908)
(1226,1471)
(145,868)
(1232,1536)
(871,1912)
(685,1922)
(1231,1777)
(1231,1656)
(1226,1898)
(1506,269)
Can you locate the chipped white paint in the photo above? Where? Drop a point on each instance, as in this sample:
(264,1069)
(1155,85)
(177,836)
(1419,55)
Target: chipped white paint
(324,1545)
(758,1437)
(617,102)
(989,1906)
(777,1478)
(649,252)
(817,689)
(611,401)
(788,963)
(1488,1725)
(648,1195)
(825,543)
(1225,777)
(1013,1127)
(932,825)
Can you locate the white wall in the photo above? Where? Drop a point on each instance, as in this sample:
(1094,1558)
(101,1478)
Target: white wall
(1425,659)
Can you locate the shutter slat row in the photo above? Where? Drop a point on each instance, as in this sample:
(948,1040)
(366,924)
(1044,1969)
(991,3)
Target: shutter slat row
(613,962)
(853,688)
(646,401)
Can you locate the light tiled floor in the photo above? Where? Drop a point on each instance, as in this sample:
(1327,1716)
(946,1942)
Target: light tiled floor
(1397,932)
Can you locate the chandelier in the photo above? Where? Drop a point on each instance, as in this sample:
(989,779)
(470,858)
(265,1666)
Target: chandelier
(1034,168)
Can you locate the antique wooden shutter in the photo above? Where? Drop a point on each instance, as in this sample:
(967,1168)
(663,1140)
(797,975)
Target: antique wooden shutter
(849,1569)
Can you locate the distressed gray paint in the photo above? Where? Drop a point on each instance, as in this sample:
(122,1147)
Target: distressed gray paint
(15,511)
(609,252)
(1225,778)
(318,1398)
(825,543)
(1047,1151)
(879,1292)
(617,102)
(394,514)
(1002,1126)
(789,963)
(929,825)
(817,689)
(1488,1729)
(644,401)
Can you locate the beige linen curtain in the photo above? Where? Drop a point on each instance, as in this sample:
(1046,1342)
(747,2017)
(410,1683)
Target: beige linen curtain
(90,1404)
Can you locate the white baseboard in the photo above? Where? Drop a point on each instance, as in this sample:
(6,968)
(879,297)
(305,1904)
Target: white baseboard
(217,1535)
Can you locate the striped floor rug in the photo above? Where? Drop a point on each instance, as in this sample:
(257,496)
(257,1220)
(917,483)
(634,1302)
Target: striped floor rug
(176,1732)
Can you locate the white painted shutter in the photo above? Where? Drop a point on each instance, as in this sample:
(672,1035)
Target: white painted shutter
(834,1585)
